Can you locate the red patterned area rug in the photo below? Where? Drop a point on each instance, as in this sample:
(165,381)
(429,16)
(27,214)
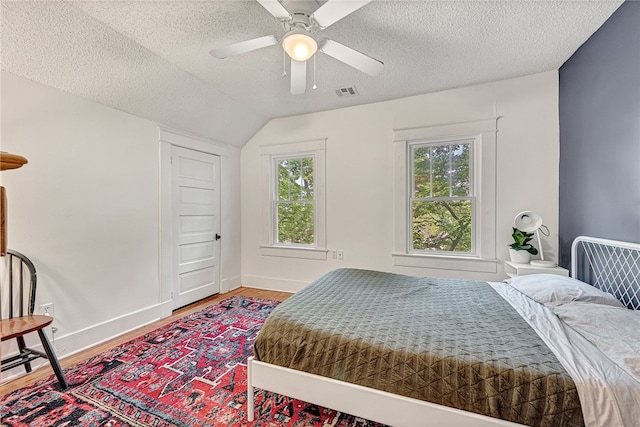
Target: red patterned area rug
(191,372)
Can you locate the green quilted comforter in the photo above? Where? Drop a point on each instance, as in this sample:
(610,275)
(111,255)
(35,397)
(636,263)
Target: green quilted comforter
(451,342)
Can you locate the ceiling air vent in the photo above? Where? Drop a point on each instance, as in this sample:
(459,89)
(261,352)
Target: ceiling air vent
(347,91)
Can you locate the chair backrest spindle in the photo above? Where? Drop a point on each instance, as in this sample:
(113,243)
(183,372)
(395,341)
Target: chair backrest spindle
(10,286)
(21,290)
(21,286)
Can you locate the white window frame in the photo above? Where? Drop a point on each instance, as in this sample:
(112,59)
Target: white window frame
(483,169)
(269,155)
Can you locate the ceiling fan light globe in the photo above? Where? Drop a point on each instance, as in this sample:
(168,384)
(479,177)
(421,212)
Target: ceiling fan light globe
(299,46)
(301,51)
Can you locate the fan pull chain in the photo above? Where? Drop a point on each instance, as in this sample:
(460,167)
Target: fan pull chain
(284,64)
(314,73)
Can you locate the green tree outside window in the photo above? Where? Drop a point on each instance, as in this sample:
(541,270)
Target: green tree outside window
(294,206)
(442,200)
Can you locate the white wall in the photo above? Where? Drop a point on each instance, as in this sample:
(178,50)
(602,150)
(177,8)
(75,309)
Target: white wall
(359,174)
(85,209)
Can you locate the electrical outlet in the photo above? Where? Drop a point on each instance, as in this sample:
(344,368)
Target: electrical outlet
(46,309)
(334,254)
(340,255)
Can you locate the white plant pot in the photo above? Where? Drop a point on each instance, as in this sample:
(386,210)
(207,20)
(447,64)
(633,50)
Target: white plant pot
(521,257)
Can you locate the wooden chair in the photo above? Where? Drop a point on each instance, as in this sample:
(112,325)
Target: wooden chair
(19,294)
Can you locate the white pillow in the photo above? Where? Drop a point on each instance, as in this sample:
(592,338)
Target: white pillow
(613,330)
(552,289)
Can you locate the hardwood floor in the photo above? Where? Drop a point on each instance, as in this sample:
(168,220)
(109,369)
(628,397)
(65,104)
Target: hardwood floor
(101,348)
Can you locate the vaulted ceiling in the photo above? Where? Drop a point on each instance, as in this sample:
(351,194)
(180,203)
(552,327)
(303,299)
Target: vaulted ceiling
(151,58)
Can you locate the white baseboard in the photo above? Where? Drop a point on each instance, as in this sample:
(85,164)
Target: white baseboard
(74,342)
(273,284)
(229,284)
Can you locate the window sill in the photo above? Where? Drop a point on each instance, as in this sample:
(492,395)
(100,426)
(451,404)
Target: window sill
(446,262)
(294,252)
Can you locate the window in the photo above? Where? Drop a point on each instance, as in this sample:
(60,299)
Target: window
(293,220)
(444,206)
(442,199)
(294,203)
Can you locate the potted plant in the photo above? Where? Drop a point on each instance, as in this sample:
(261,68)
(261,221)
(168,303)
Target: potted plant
(520,250)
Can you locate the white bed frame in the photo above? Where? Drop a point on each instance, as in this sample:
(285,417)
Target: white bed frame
(365,402)
(616,259)
(609,265)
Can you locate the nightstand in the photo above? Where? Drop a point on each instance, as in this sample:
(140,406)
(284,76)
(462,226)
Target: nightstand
(514,269)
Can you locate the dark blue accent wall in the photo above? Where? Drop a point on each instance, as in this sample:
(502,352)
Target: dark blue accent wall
(600,134)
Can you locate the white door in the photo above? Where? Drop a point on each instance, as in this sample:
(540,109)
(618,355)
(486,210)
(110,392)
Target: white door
(196,225)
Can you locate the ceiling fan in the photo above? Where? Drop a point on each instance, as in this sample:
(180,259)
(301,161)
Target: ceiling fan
(300,41)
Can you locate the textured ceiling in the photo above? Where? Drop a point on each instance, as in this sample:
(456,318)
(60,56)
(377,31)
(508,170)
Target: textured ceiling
(151,58)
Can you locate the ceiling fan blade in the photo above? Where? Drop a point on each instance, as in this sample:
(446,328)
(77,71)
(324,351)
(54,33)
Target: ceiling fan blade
(276,9)
(352,57)
(334,10)
(298,77)
(242,47)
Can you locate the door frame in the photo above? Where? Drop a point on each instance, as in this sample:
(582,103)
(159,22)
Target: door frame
(167,138)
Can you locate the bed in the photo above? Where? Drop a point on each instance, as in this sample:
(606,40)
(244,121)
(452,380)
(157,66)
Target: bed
(411,351)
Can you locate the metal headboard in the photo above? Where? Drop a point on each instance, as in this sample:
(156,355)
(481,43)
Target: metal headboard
(609,265)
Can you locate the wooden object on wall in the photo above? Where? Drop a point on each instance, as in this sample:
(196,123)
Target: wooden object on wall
(3,222)
(7,161)
(11,161)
